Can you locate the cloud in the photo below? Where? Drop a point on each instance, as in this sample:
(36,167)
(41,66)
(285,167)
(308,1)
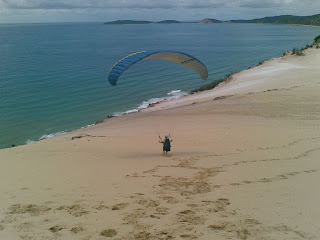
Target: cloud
(204,4)
(143,4)
(276,3)
(47,4)
(261,3)
(150,4)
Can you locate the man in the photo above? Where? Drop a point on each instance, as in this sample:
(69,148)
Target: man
(166,144)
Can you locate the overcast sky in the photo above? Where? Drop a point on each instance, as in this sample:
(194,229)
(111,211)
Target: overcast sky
(31,11)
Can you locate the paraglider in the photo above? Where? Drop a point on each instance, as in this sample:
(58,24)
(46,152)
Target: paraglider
(166,143)
(177,57)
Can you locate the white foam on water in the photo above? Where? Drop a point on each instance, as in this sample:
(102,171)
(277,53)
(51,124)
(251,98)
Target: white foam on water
(51,135)
(88,125)
(30,141)
(46,136)
(174,94)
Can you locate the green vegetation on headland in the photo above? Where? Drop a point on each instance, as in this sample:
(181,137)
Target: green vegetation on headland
(213,84)
(300,52)
(316,41)
(285,19)
(313,20)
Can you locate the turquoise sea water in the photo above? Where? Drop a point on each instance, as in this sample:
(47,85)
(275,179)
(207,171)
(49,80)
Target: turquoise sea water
(53,76)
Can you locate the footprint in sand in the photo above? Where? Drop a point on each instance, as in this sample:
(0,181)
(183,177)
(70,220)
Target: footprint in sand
(8,219)
(77,229)
(219,205)
(75,210)
(154,216)
(290,231)
(219,226)
(252,229)
(188,236)
(119,206)
(135,175)
(162,210)
(232,228)
(164,234)
(170,199)
(32,209)
(148,203)
(109,233)
(185,186)
(134,218)
(243,234)
(189,216)
(142,235)
(56,228)
(101,207)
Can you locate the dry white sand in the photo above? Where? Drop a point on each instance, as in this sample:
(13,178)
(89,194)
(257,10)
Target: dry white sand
(244,164)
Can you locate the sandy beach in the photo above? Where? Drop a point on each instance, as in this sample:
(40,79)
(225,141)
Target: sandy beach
(244,165)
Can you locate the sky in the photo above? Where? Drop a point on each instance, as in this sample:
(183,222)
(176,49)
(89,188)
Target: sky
(42,11)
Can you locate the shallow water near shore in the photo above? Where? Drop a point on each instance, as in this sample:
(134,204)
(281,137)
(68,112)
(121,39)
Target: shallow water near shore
(53,76)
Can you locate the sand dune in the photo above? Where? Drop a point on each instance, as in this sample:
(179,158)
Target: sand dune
(244,165)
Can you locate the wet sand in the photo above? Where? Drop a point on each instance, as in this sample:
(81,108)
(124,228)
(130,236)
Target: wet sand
(244,165)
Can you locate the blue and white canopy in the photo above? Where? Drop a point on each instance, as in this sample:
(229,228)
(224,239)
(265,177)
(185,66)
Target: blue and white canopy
(177,57)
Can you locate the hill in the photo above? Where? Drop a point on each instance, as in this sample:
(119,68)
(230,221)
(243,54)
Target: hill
(169,21)
(210,20)
(285,19)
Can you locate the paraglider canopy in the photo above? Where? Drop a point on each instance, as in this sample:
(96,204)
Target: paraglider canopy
(177,57)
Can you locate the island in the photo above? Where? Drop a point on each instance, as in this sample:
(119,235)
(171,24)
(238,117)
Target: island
(120,22)
(210,20)
(169,21)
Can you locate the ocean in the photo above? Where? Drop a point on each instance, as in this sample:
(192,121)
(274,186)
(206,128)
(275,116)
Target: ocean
(53,77)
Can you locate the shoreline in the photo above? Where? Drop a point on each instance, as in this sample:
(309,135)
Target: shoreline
(161,104)
(243,165)
(152,106)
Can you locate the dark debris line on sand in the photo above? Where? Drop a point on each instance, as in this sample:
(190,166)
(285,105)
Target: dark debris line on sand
(85,135)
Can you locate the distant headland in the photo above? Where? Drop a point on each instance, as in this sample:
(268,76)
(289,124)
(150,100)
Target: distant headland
(313,20)
(129,22)
(143,22)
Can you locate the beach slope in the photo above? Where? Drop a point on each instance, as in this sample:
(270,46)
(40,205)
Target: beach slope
(244,165)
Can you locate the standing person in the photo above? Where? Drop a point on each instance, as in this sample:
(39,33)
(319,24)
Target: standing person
(166,144)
